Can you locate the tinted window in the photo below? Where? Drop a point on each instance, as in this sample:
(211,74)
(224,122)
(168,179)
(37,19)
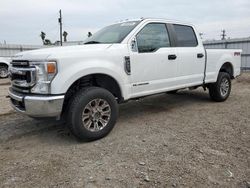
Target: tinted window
(185,36)
(152,37)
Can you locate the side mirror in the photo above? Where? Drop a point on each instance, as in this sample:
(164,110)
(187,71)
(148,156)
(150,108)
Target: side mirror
(133,45)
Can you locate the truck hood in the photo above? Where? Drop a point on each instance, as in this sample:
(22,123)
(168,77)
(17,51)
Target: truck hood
(45,53)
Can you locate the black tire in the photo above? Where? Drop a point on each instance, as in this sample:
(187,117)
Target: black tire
(78,106)
(3,71)
(216,91)
(172,92)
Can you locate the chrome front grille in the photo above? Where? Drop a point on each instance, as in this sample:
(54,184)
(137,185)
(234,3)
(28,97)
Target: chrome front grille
(23,77)
(20,63)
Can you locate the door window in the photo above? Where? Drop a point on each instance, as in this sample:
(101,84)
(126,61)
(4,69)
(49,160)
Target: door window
(152,37)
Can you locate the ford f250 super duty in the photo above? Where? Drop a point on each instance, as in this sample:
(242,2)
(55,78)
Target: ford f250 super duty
(123,61)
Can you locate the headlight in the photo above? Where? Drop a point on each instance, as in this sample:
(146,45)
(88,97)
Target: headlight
(45,72)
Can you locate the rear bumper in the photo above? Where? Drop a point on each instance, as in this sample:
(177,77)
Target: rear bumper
(37,105)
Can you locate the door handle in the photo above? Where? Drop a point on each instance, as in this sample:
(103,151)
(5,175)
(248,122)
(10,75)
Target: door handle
(172,57)
(200,55)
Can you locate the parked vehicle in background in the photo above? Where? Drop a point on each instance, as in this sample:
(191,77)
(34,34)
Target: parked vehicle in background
(123,61)
(4,65)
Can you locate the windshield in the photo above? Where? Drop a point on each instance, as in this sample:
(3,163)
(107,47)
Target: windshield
(113,33)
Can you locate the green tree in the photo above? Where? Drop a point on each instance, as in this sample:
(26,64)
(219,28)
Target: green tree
(89,34)
(43,35)
(65,34)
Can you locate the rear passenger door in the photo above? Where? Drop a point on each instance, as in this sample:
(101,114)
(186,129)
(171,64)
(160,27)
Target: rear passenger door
(190,55)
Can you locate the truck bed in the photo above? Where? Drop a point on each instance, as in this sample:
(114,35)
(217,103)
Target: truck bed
(217,57)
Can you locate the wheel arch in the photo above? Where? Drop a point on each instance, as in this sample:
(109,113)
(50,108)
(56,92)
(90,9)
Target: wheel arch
(97,79)
(228,68)
(100,80)
(4,64)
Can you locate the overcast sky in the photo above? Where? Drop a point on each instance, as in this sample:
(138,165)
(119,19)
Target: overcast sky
(21,21)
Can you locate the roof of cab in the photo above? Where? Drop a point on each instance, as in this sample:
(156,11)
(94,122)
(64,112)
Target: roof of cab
(157,20)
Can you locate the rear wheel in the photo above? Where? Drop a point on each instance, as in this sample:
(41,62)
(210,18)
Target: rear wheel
(93,113)
(220,90)
(3,71)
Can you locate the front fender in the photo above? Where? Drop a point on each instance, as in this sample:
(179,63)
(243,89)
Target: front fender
(5,61)
(69,74)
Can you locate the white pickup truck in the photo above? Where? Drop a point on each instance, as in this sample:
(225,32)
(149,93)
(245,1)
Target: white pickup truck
(123,61)
(4,65)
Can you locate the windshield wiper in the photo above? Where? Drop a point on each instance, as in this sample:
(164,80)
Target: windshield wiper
(92,42)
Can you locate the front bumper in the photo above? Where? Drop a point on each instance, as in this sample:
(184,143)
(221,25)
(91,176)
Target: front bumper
(37,105)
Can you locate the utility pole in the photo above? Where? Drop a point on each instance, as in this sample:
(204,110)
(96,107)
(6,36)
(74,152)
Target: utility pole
(60,23)
(223,35)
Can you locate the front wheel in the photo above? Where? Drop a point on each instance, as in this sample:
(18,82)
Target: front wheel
(220,90)
(3,71)
(93,113)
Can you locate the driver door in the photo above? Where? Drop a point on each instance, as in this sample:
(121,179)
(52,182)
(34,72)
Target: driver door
(153,64)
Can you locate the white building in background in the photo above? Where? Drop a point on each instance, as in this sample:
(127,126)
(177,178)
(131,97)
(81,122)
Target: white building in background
(8,50)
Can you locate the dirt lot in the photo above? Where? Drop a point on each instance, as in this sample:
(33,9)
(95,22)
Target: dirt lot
(182,140)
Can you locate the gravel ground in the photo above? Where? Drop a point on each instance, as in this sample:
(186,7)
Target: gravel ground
(182,140)
(5,81)
(5,107)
